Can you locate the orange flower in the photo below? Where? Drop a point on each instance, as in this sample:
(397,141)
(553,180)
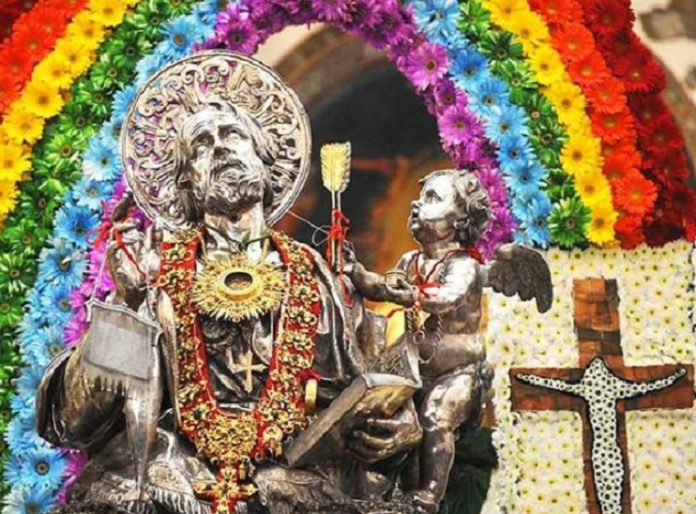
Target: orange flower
(557,11)
(635,194)
(624,152)
(574,41)
(590,70)
(614,127)
(629,229)
(607,96)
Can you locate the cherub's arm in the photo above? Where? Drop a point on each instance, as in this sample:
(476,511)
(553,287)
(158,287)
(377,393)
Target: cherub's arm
(462,278)
(373,286)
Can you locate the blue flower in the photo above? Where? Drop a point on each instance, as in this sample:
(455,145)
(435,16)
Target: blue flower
(46,345)
(437,19)
(525,179)
(56,300)
(513,150)
(23,407)
(14,472)
(122,101)
(21,435)
(490,95)
(469,67)
(45,467)
(110,130)
(180,34)
(29,500)
(101,161)
(62,264)
(147,66)
(74,224)
(29,380)
(91,193)
(533,215)
(506,122)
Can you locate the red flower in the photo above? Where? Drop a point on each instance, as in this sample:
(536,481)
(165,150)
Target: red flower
(557,12)
(607,96)
(664,224)
(662,136)
(9,89)
(607,18)
(617,46)
(614,127)
(573,41)
(647,107)
(15,62)
(26,39)
(629,229)
(49,19)
(634,193)
(590,70)
(621,153)
(640,72)
(671,165)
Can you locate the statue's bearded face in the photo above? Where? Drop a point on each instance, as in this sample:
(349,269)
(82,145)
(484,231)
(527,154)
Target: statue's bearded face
(222,166)
(434,212)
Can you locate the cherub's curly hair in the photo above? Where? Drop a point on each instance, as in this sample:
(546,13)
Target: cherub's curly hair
(474,201)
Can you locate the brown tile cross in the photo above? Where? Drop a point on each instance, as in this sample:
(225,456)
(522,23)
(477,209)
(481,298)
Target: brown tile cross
(602,389)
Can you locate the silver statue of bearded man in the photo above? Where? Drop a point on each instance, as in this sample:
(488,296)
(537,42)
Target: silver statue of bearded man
(215,150)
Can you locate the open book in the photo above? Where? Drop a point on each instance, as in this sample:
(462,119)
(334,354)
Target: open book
(391,381)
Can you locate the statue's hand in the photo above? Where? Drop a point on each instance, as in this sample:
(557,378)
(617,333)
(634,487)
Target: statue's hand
(122,255)
(381,438)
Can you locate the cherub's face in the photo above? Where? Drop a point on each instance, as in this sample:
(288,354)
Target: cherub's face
(434,212)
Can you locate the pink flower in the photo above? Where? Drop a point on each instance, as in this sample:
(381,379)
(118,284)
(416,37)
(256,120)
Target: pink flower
(458,126)
(427,65)
(333,10)
(234,27)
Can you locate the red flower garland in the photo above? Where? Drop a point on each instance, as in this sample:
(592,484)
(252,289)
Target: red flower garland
(612,120)
(34,35)
(659,138)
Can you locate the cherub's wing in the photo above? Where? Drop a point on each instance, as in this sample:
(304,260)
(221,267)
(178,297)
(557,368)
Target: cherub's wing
(523,271)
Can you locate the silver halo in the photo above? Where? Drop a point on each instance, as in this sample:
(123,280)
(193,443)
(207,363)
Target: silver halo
(150,128)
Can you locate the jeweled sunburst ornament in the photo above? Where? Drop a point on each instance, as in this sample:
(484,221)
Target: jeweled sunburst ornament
(235,288)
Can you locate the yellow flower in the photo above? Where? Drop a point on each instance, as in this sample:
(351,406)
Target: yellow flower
(502,10)
(530,30)
(593,190)
(8,197)
(581,157)
(42,98)
(88,31)
(14,161)
(54,70)
(547,65)
(23,126)
(107,12)
(601,229)
(568,100)
(76,58)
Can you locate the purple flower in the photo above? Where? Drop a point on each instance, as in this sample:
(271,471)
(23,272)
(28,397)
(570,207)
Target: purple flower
(234,27)
(446,95)
(333,11)
(427,65)
(76,462)
(458,126)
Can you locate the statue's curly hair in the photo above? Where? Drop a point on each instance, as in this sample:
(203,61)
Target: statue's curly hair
(474,201)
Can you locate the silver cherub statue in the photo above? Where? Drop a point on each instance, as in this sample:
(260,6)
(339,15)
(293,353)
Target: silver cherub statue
(441,287)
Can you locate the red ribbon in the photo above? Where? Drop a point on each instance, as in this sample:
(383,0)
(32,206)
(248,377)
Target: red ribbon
(337,233)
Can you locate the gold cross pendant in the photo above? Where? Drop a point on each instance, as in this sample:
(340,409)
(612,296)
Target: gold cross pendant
(247,366)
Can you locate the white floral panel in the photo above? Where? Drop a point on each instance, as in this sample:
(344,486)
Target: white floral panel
(541,453)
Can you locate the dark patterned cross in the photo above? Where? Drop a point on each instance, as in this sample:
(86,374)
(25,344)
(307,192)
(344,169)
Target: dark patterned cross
(606,383)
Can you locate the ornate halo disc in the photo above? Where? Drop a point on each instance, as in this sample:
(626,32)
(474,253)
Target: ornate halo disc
(205,80)
(235,289)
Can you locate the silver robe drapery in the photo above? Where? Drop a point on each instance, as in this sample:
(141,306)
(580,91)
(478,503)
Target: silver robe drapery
(92,420)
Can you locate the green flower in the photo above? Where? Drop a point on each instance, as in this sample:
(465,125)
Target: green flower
(16,274)
(11,311)
(63,150)
(475,21)
(559,184)
(568,221)
(128,47)
(546,132)
(26,236)
(538,106)
(500,46)
(518,75)
(75,116)
(97,96)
